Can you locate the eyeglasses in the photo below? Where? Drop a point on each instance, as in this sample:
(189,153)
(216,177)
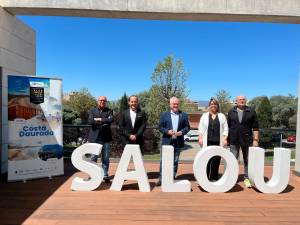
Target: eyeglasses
(101,100)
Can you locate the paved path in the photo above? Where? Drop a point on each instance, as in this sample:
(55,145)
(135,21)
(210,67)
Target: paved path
(190,152)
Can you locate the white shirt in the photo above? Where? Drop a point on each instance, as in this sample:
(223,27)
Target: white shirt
(204,123)
(175,119)
(132,117)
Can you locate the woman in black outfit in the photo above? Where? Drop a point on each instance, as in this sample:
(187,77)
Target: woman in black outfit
(213,130)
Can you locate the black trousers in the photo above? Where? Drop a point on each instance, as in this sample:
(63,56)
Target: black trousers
(212,169)
(139,142)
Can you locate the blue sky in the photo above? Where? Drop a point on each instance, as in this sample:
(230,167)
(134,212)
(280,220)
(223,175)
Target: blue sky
(113,56)
(19,85)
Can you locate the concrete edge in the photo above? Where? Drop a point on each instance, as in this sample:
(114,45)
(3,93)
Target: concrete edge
(186,16)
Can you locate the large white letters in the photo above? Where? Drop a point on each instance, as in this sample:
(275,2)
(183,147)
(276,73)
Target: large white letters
(139,174)
(277,184)
(167,184)
(229,178)
(95,172)
(281,169)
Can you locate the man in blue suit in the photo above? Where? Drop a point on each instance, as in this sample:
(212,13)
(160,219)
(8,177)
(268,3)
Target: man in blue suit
(173,124)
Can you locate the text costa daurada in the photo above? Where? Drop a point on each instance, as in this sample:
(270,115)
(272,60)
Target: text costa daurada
(35,131)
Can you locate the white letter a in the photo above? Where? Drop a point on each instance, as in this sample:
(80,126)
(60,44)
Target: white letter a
(139,174)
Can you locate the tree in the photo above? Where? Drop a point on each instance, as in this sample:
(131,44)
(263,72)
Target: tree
(264,113)
(169,79)
(143,100)
(123,103)
(69,115)
(81,102)
(255,102)
(293,122)
(223,98)
(114,105)
(156,106)
(283,108)
(263,109)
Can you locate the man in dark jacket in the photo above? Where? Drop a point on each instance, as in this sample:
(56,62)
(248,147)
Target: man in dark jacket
(173,124)
(101,118)
(133,123)
(243,132)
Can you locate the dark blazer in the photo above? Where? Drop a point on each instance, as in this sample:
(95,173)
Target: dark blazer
(165,124)
(101,129)
(126,128)
(241,133)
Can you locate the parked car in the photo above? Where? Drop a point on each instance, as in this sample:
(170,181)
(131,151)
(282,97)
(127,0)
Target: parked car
(192,135)
(51,151)
(291,138)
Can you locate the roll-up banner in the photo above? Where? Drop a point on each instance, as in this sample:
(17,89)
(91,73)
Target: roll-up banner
(35,133)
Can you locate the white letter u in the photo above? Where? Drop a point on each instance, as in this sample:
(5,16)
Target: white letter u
(281,169)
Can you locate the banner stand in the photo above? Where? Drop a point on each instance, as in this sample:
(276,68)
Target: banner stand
(35,132)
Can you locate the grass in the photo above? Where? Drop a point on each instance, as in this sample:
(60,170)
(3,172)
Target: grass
(155,156)
(270,157)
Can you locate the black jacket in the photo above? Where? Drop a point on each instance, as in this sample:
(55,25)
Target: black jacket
(126,128)
(241,133)
(101,129)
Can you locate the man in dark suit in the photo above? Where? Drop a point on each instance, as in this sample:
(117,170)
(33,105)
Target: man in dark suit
(101,118)
(243,132)
(133,123)
(173,124)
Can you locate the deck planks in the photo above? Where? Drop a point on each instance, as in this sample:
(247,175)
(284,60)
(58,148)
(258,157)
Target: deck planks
(52,202)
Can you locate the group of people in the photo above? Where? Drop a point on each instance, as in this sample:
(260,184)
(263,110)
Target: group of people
(238,131)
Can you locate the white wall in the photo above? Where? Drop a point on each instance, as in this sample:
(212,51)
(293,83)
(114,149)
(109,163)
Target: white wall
(17,56)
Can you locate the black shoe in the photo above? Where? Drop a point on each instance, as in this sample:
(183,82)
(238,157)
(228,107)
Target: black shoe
(158,183)
(107,180)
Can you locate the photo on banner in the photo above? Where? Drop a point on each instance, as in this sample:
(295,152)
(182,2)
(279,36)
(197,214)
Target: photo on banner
(35,132)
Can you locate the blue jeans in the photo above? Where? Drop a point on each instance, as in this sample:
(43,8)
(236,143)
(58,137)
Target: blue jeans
(176,160)
(104,157)
(235,149)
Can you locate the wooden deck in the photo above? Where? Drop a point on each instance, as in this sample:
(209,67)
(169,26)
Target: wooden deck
(45,201)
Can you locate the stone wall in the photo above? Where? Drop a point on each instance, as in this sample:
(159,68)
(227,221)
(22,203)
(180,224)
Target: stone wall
(17,56)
